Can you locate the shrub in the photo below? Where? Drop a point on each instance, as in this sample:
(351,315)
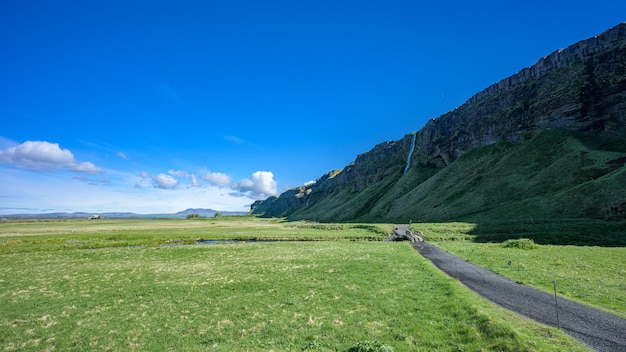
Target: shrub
(370,346)
(520,243)
(372,228)
(316,226)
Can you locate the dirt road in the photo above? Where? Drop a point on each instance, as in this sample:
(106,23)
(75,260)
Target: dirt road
(600,330)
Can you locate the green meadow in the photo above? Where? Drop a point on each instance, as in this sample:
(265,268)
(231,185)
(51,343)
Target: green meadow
(285,286)
(588,273)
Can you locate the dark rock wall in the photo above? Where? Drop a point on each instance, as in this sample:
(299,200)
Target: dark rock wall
(374,165)
(581,88)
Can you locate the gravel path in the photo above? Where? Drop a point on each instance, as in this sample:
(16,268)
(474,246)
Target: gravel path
(599,330)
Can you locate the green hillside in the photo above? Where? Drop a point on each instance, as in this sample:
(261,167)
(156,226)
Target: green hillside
(555,175)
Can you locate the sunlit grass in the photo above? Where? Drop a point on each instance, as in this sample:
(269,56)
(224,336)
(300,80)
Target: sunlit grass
(256,296)
(592,275)
(322,295)
(50,235)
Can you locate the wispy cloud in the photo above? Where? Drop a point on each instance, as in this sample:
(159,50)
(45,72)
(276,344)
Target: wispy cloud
(93,181)
(45,156)
(184,174)
(237,140)
(237,195)
(194,181)
(107,147)
(168,93)
(179,173)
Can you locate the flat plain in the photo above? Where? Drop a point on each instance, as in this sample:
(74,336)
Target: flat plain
(282,286)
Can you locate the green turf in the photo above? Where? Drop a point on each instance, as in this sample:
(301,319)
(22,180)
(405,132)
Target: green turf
(587,273)
(327,295)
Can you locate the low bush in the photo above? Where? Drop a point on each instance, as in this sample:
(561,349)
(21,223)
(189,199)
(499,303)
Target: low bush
(520,243)
(370,346)
(316,226)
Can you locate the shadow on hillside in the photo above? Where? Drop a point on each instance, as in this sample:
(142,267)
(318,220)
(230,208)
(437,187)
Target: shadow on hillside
(578,232)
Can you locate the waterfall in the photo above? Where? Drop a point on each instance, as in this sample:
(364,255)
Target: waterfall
(408,159)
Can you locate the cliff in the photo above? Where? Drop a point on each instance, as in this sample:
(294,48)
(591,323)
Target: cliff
(580,90)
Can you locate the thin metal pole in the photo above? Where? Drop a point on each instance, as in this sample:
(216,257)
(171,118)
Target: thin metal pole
(556,305)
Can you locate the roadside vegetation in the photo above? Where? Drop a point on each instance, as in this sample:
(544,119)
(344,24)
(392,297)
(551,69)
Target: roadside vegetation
(590,269)
(147,285)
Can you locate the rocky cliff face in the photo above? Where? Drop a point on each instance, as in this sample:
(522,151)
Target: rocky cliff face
(374,165)
(581,88)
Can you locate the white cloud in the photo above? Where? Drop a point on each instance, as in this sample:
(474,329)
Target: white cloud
(218,179)
(179,173)
(122,155)
(42,155)
(194,181)
(27,192)
(161,181)
(164,181)
(308,183)
(184,174)
(261,185)
(152,193)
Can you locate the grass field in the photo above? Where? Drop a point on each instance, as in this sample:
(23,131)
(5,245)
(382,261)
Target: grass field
(145,285)
(590,274)
(32,236)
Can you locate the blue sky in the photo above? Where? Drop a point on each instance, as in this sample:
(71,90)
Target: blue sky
(155,106)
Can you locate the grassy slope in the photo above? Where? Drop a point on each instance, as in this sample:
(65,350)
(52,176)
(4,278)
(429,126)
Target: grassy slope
(347,203)
(553,175)
(294,296)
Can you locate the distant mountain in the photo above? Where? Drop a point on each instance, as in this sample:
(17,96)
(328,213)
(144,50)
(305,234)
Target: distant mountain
(205,213)
(547,142)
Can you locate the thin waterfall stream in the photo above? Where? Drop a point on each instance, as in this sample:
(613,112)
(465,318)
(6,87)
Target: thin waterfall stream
(408,159)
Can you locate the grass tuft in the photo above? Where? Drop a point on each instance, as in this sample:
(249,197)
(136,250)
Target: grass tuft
(521,243)
(370,346)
